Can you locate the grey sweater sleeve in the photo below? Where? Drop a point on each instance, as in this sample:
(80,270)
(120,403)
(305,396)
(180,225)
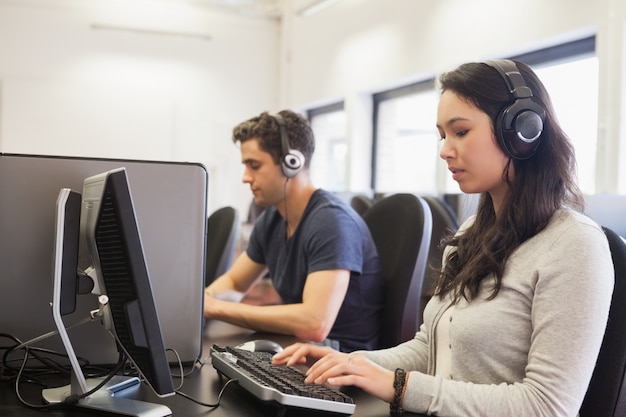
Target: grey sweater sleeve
(530,351)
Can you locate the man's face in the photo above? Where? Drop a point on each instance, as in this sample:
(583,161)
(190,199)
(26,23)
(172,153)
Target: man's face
(265,177)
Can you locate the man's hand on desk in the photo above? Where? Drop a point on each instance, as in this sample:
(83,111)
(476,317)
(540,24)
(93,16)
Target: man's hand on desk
(212,302)
(234,296)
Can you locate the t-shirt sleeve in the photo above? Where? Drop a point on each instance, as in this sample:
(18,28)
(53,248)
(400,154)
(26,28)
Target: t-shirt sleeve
(335,241)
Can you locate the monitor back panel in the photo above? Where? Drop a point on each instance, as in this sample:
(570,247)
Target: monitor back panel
(170,203)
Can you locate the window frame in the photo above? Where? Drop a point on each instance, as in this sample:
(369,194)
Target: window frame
(311,113)
(327,108)
(552,55)
(377,98)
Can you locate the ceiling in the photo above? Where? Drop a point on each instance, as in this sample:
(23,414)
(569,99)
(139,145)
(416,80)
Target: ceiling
(271,9)
(252,8)
(260,8)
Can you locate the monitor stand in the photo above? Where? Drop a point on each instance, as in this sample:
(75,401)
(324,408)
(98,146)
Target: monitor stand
(108,398)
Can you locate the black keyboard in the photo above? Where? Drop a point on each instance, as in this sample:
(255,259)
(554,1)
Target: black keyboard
(281,384)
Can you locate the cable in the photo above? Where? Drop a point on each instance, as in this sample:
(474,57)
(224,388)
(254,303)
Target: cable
(45,361)
(50,366)
(17,383)
(71,399)
(219,396)
(180,366)
(53,367)
(286,210)
(52,333)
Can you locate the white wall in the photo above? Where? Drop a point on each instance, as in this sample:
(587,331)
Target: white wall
(363,46)
(67,88)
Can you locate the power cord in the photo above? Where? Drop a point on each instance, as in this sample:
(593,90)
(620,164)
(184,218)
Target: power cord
(54,367)
(44,356)
(198,364)
(219,396)
(286,210)
(71,399)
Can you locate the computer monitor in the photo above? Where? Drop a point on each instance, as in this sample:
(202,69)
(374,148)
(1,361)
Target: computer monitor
(170,200)
(109,234)
(65,251)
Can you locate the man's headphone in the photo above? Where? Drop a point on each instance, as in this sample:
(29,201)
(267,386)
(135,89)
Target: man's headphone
(520,124)
(292,160)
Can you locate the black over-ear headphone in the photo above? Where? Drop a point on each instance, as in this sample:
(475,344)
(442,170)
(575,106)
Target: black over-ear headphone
(520,124)
(292,160)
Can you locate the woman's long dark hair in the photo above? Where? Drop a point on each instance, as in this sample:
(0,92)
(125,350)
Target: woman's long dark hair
(541,185)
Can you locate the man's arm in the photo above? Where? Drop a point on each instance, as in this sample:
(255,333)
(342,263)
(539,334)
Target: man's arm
(312,319)
(241,276)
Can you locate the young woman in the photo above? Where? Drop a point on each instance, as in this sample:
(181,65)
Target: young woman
(521,304)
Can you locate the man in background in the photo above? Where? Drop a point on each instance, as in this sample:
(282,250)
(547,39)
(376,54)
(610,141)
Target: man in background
(318,251)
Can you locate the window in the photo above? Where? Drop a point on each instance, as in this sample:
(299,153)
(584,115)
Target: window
(406,153)
(574,96)
(329,167)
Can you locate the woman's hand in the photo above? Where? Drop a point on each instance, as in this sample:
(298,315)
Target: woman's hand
(301,353)
(338,369)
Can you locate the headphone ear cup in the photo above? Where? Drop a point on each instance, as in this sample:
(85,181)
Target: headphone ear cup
(292,163)
(519,128)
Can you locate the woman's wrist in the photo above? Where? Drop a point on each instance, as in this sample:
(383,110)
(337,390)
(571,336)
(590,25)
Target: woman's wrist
(399,386)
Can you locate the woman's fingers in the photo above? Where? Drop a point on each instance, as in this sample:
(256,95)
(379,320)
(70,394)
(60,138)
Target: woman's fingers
(331,365)
(300,353)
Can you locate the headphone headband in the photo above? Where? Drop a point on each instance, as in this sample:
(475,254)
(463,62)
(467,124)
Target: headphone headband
(513,78)
(292,160)
(284,143)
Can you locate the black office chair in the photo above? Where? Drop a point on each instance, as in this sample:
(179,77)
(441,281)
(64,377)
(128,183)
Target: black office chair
(361,203)
(222,231)
(445,222)
(606,394)
(401,226)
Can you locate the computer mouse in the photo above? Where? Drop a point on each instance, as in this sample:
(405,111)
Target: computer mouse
(261,345)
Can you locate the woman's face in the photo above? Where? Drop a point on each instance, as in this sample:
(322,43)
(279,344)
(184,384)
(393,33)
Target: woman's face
(474,158)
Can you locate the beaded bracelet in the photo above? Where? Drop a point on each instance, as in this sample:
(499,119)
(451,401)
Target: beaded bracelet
(399,384)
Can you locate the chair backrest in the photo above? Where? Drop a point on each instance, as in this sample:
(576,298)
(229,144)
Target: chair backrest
(401,226)
(361,203)
(606,394)
(445,222)
(222,230)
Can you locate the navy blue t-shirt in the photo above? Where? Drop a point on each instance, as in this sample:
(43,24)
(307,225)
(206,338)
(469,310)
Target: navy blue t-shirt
(330,236)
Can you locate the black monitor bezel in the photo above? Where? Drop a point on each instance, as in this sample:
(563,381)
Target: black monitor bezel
(132,309)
